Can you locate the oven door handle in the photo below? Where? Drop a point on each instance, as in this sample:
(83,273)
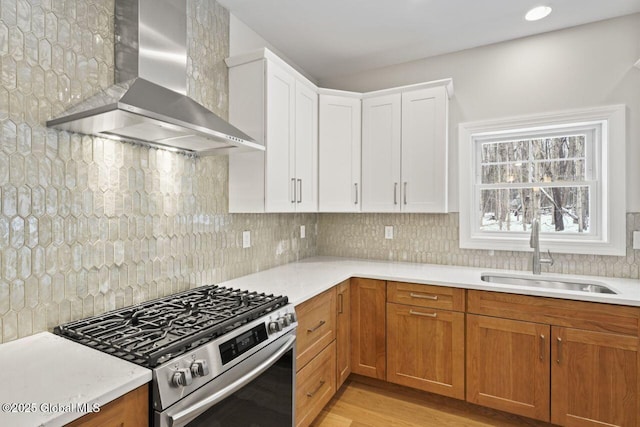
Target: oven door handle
(186,415)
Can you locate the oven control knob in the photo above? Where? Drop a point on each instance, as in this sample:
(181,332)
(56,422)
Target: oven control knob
(285,321)
(199,368)
(275,327)
(291,317)
(181,377)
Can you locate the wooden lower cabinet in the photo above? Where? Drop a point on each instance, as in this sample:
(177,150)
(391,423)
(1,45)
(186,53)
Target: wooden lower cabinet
(508,365)
(129,410)
(569,362)
(425,349)
(368,327)
(594,379)
(343,332)
(316,326)
(315,385)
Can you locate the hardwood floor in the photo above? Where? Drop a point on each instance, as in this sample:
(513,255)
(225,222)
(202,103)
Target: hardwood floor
(365,402)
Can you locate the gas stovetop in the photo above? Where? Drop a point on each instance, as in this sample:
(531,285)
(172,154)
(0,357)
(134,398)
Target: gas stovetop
(154,332)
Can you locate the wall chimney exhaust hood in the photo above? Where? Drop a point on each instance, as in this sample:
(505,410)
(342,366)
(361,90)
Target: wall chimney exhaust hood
(148,103)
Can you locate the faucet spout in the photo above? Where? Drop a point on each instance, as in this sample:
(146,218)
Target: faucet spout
(534,242)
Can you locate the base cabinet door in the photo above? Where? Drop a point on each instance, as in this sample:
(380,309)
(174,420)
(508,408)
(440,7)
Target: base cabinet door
(426,349)
(315,385)
(368,327)
(508,365)
(594,379)
(343,333)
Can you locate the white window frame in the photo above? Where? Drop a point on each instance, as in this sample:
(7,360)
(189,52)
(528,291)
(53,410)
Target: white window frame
(607,234)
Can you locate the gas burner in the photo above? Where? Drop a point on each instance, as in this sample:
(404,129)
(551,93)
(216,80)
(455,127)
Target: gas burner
(155,331)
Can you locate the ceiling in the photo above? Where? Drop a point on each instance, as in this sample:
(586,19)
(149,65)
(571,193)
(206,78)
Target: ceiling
(329,38)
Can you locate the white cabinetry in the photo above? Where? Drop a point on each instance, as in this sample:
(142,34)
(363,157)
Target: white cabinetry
(339,151)
(381,137)
(278,107)
(404,148)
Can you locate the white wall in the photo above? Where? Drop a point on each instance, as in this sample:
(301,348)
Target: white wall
(243,39)
(578,67)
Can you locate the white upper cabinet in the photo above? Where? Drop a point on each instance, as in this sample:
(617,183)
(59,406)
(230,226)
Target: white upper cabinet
(339,151)
(277,106)
(405,149)
(381,138)
(306,148)
(383,151)
(424,150)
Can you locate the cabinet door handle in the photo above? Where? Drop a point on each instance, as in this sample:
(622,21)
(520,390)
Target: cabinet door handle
(300,186)
(405,193)
(340,304)
(315,328)
(559,359)
(293,190)
(356,185)
(542,340)
(417,313)
(311,393)
(424,296)
(395,193)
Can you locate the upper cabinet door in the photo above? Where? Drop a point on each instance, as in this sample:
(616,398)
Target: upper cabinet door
(339,151)
(424,150)
(306,149)
(381,137)
(280,185)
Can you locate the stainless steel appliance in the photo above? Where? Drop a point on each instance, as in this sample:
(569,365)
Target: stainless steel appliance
(220,356)
(148,103)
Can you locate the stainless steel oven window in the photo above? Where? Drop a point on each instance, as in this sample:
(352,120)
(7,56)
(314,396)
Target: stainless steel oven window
(258,392)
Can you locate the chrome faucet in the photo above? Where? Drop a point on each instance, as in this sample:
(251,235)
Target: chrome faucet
(534,242)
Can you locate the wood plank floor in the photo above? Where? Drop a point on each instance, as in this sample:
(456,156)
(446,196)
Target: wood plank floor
(365,402)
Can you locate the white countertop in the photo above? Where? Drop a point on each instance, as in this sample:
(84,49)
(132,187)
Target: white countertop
(45,373)
(309,277)
(46,370)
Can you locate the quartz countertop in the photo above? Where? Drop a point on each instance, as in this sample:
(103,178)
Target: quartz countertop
(47,380)
(304,279)
(48,374)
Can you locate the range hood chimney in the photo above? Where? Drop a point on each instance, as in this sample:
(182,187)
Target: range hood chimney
(148,103)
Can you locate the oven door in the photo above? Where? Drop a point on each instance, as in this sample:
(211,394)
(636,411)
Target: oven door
(257,392)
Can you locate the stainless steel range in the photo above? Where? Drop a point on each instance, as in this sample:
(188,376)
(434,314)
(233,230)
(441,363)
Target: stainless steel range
(219,356)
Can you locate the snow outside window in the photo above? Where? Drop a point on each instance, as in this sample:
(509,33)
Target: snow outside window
(566,169)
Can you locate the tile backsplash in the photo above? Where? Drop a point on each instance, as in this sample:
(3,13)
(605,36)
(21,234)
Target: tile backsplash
(89,224)
(433,239)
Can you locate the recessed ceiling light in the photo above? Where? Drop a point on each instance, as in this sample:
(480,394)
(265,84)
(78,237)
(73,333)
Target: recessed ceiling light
(537,13)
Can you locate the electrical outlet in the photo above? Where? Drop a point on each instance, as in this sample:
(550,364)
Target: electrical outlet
(246,239)
(636,240)
(303,232)
(388,231)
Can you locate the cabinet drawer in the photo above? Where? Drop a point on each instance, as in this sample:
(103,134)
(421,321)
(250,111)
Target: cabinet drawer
(129,410)
(315,385)
(573,314)
(316,326)
(426,296)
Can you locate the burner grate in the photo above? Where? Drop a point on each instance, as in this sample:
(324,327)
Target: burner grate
(155,331)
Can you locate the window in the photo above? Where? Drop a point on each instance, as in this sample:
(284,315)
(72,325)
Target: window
(566,169)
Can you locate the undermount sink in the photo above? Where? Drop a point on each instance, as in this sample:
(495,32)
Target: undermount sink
(567,285)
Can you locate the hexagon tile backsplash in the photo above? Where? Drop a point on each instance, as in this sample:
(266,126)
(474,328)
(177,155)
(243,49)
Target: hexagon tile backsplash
(88,224)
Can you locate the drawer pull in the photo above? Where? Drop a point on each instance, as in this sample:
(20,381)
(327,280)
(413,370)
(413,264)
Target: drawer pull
(315,328)
(341,304)
(541,347)
(559,359)
(424,296)
(417,313)
(311,393)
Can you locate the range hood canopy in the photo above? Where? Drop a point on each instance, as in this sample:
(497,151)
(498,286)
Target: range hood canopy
(148,102)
